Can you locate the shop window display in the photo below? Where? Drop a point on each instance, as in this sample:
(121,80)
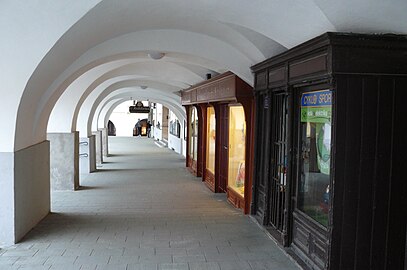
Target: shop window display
(210,140)
(193,140)
(237,149)
(315,128)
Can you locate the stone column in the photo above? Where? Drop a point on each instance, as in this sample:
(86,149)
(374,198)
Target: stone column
(64,160)
(105,142)
(24,190)
(98,147)
(87,154)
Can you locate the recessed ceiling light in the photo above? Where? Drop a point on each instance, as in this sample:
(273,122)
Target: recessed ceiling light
(156,55)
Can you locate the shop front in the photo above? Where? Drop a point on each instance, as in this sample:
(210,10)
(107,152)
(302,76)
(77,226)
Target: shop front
(194,156)
(225,105)
(328,121)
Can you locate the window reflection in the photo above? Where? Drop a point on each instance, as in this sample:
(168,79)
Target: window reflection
(210,140)
(237,149)
(315,141)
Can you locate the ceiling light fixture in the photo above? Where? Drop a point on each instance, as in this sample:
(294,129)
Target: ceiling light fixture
(156,55)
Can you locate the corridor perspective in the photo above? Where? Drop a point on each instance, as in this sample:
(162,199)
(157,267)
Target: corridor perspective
(143,210)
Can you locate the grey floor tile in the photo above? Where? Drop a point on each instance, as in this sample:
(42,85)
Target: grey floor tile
(204,266)
(142,266)
(189,258)
(155,259)
(112,267)
(173,266)
(234,265)
(124,260)
(147,212)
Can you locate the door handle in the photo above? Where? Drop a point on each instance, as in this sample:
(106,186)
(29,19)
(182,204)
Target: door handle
(225,147)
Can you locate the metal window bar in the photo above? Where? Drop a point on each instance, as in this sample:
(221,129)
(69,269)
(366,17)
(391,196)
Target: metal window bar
(278,166)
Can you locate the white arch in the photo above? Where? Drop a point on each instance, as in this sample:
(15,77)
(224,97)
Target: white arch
(29,73)
(171,101)
(150,84)
(175,75)
(123,96)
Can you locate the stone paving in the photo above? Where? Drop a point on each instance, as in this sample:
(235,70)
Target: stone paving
(142,210)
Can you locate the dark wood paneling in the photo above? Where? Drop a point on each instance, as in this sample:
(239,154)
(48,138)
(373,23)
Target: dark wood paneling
(235,199)
(210,180)
(201,140)
(315,64)
(382,172)
(367,161)
(261,156)
(217,91)
(365,60)
(226,87)
(277,77)
(223,148)
(310,241)
(203,134)
(397,201)
(261,80)
(185,98)
(367,218)
(352,134)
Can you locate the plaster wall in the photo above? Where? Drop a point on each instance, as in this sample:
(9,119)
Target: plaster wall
(7,199)
(184,148)
(157,134)
(174,143)
(64,161)
(31,187)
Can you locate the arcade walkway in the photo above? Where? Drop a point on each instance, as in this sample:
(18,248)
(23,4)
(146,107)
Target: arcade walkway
(143,210)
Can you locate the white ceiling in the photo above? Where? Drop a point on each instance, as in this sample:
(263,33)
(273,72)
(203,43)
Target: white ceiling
(57,53)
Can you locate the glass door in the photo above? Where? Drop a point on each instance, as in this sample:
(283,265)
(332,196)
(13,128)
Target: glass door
(237,149)
(315,147)
(193,134)
(210,139)
(313,163)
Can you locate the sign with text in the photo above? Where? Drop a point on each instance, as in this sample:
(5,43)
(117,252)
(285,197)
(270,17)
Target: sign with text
(139,108)
(316,107)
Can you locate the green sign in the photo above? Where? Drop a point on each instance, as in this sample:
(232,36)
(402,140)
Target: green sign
(316,109)
(316,106)
(316,114)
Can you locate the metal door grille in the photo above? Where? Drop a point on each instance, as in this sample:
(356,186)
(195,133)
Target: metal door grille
(278,166)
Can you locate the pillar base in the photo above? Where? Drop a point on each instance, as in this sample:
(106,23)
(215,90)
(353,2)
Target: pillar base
(64,153)
(25,191)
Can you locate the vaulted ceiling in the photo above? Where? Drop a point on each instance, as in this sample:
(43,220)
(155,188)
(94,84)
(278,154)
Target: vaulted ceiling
(63,61)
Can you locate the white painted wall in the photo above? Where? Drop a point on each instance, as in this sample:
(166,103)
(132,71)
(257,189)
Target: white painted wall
(123,120)
(174,143)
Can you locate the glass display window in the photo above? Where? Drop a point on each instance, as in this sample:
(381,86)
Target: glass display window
(210,139)
(315,159)
(193,133)
(237,149)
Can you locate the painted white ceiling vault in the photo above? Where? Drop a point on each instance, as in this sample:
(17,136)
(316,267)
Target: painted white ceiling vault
(66,63)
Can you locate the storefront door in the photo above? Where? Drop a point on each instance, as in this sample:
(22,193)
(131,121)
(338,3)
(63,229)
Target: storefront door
(224,147)
(313,163)
(263,130)
(277,211)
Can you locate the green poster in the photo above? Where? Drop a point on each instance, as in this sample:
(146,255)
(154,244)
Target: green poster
(316,108)
(316,114)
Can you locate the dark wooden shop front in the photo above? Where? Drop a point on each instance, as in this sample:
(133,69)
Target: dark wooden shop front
(220,114)
(330,153)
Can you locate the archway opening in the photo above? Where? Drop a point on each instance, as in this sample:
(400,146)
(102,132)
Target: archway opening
(124,120)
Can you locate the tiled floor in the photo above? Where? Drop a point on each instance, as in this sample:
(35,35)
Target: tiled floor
(143,210)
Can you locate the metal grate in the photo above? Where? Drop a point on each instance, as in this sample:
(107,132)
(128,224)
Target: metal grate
(278,163)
